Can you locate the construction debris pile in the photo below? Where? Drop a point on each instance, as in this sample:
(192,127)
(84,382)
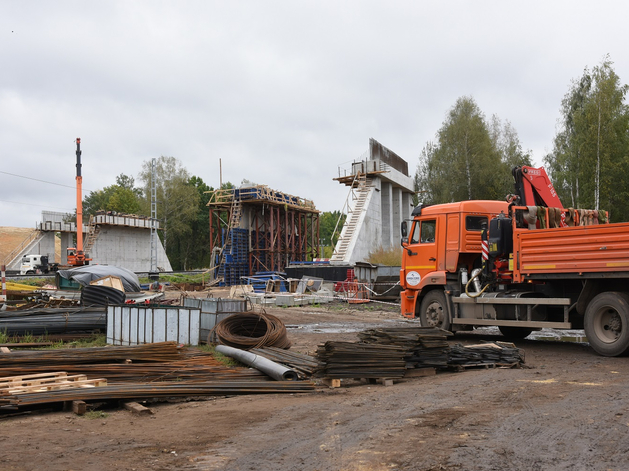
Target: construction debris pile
(140,372)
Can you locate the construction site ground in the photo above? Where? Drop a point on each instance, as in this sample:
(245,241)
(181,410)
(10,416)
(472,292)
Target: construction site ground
(567,409)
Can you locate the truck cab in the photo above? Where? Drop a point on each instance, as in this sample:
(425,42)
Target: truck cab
(442,244)
(32,263)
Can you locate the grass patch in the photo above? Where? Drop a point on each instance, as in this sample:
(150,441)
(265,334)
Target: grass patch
(388,257)
(26,338)
(96,414)
(179,278)
(96,340)
(225,360)
(39,282)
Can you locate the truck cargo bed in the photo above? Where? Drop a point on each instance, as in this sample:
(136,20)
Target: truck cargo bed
(571,250)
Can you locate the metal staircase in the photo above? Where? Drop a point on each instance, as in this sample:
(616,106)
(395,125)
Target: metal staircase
(15,256)
(359,192)
(92,235)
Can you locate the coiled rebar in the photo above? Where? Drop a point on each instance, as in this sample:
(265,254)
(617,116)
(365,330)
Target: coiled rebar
(247,330)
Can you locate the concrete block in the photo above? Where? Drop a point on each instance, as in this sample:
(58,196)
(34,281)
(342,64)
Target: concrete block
(285,300)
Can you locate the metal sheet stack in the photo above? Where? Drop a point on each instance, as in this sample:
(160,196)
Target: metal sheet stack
(496,353)
(424,346)
(359,360)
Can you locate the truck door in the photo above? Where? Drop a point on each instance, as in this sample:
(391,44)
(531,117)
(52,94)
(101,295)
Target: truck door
(421,253)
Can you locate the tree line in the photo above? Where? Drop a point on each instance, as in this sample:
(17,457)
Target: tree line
(472,157)
(181,210)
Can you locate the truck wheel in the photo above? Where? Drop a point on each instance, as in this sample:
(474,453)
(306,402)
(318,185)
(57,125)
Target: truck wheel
(434,311)
(30,272)
(516,333)
(606,324)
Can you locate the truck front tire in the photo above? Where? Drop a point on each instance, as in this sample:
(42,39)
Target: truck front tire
(433,311)
(606,323)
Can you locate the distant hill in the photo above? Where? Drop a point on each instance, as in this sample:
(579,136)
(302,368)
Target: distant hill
(12,237)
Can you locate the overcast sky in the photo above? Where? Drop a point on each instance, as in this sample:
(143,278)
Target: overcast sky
(284,92)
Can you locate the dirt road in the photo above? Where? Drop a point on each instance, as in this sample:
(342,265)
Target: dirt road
(568,410)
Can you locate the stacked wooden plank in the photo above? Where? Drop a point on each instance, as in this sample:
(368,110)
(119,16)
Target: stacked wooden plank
(359,360)
(425,346)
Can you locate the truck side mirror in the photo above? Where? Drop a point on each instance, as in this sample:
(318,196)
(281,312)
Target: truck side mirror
(404,232)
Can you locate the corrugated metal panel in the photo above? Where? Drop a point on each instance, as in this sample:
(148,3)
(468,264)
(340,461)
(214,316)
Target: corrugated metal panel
(132,325)
(214,310)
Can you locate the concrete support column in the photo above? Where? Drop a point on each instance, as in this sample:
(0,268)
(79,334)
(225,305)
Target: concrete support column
(387,216)
(66,241)
(396,214)
(47,246)
(406,205)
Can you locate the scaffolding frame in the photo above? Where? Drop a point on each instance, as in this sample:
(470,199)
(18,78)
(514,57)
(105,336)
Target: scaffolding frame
(281,228)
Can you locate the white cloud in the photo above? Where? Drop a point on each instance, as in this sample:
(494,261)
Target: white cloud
(283,92)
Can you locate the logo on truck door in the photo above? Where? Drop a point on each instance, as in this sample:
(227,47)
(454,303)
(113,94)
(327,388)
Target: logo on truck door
(413,278)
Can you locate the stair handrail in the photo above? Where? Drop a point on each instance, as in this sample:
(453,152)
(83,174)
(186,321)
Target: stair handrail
(18,250)
(361,179)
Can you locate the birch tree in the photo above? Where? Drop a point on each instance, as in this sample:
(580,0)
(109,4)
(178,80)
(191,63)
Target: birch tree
(589,163)
(468,160)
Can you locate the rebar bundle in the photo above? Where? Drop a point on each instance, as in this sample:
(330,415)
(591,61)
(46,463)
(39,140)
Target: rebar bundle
(247,330)
(154,390)
(39,321)
(193,369)
(305,365)
(152,352)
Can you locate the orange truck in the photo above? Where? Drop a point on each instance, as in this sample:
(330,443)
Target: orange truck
(520,265)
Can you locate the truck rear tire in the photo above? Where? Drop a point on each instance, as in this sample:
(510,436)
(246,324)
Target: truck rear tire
(516,333)
(433,311)
(606,323)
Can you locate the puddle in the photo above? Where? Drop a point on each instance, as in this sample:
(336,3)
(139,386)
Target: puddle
(341,328)
(576,336)
(554,335)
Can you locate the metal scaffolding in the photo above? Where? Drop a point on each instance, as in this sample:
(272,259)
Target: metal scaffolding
(280,229)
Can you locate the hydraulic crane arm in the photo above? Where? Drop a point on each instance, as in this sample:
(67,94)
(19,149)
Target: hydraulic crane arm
(534,188)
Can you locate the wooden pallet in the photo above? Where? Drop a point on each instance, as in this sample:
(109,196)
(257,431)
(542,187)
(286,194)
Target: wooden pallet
(42,382)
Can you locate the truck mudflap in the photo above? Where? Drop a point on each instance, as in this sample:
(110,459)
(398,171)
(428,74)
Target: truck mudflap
(408,300)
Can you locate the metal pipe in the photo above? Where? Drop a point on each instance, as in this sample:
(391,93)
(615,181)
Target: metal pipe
(274,370)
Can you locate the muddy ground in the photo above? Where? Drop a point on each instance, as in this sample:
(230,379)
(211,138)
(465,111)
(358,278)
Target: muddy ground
(569,409)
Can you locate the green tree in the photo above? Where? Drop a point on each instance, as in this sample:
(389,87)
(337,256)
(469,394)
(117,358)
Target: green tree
(177,205)
(122,197)
(469,159)
(328,222)
(590,157)
(198,253)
